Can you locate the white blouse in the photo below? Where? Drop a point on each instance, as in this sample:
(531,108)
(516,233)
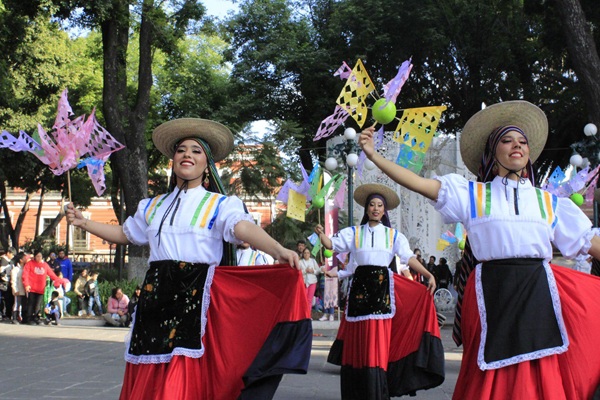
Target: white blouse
(310,277)
(513,221)
(371,246)
(194,228)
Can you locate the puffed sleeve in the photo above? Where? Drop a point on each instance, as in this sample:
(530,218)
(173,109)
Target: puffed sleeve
(452,202)
(135,226)
(231,211)
(402,248)
(573,231)
(343,241)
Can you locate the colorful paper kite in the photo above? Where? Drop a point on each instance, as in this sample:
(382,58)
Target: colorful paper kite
(414,133)
(69,140)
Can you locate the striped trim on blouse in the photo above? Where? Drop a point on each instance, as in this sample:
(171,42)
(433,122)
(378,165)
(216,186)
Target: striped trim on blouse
(480,195)
(360,231)
(204,216)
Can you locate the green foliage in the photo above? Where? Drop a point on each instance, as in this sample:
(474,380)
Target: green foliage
(44,243)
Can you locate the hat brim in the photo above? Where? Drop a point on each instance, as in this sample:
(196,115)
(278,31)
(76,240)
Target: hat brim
(218,136)
(528,117)
(363,191)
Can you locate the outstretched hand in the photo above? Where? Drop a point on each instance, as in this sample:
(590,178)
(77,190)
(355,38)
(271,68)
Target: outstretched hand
(366,142)
(74,216)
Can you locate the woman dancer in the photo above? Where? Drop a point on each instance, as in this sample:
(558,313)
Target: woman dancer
(528,328)
(389,341)
(185,342)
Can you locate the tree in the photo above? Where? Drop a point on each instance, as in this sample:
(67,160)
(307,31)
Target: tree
(39,62)
(126,106)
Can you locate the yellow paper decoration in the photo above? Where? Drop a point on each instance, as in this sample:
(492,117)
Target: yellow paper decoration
(296,205)
(442,244)
(417,127)
(353,95)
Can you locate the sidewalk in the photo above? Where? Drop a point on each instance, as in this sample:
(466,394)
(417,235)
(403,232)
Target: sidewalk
(82,359)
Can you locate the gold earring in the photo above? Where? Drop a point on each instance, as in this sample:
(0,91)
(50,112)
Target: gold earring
(206,181)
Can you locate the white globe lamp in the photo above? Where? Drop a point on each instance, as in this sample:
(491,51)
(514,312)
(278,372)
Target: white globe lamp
(331,163)
(352,159)
(590,129)
(349,133)
(576,160)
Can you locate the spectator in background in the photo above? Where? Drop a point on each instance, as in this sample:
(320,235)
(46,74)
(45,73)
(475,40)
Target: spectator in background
(16,277)
(246,255)
(431,264)
(52,310)
(65,265)
(135,297)
(79,289)
(93,293)
(300,246)
(310,270)
(35,273)
(52,262)
(6,296)
(63,299)
(117,307)
(442,274)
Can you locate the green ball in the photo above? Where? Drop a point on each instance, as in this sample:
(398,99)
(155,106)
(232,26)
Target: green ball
(328,253)
(461,245)
(577,198)
(318,201)
(386,114)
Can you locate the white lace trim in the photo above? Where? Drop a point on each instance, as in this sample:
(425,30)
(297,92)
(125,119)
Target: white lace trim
(587,240)
(534,355)
(177,351)
(376,316)
(442,194)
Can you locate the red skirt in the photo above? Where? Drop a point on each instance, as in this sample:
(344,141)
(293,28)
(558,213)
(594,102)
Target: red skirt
(392,357)
(573,375)
(258,327)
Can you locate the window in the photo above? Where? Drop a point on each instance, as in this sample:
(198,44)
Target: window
(80,238)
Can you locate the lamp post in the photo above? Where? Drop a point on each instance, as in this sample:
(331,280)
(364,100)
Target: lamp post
(348,154)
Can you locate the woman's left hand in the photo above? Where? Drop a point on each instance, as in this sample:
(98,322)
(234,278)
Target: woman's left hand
(431,285)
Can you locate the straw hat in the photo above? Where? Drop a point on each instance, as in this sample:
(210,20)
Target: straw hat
(363,191)
(530,118)
(218,136)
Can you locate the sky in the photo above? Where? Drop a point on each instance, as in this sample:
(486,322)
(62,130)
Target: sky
(219,8)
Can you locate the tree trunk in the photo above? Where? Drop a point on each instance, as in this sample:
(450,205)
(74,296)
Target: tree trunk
(126,120)
(582,50)
(53,224)
(39,213)
(20,219)
(7,230)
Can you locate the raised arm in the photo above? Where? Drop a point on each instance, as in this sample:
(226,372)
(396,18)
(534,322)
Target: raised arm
(257,237)
(427,187)
(111,233)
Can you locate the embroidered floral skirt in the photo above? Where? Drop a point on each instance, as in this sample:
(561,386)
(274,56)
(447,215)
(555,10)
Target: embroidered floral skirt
(255,327)
(572,375)
(383,358)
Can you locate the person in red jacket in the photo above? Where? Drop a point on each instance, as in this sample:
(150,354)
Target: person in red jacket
(35,273)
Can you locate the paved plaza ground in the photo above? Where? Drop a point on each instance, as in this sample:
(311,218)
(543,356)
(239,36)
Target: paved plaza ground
(82,359)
